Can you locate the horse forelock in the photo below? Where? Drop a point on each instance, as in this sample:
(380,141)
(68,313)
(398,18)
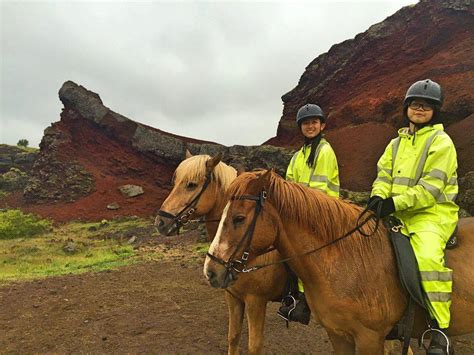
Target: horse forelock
(193,169)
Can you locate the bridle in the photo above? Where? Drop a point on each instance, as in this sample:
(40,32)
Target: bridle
(183,217)
(240,265)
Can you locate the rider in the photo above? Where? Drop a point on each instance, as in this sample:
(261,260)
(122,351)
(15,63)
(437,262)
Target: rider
(417,182)
(315,166)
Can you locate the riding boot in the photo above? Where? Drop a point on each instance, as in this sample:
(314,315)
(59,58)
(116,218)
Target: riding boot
(440,343)
(295,309)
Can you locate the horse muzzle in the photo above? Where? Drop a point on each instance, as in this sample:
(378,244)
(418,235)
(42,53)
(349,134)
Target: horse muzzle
(166,226)
(219,277)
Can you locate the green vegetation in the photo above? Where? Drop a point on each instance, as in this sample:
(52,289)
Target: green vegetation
(16,224)
(23,143)
(30,248)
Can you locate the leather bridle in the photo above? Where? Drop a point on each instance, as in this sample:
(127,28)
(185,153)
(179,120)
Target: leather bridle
(240,265)
(183,217)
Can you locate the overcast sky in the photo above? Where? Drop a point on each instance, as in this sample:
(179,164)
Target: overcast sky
(207,70)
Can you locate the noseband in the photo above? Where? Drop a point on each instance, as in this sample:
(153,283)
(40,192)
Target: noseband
(183,216)
(240,265)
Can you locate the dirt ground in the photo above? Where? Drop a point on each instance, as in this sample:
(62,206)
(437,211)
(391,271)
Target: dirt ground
(158,307)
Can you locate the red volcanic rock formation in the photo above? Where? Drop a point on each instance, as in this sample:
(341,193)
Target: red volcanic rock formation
(87,156)
(361,84)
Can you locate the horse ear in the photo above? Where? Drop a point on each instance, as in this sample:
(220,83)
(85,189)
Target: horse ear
(188,154)
(211,163)
(264,179)
(240,169)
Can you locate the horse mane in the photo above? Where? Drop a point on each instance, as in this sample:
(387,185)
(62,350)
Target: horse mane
(310,208)
(193,169)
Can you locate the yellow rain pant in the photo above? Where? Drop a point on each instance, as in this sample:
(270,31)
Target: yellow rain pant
(436,278)
(300,286)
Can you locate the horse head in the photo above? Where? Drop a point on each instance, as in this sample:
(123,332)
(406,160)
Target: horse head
(249,226)
(196,184)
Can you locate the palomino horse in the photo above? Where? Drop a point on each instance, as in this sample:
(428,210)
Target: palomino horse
(351,284)
(251,292)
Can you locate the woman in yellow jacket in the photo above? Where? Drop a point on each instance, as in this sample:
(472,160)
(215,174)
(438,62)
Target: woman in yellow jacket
(314,165)
(417,182)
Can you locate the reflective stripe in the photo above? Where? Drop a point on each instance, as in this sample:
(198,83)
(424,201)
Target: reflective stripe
(447,197)
(434,191)
(316,154)
(436,276)
(385,170)
(451,197)
(453,180)
(421,164)
(437,174)
(403,181)
(293,160)
(384,179)
(439,296)
(325,179)
(395,145)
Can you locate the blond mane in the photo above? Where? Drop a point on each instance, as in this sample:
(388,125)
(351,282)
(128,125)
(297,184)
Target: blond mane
(193,169)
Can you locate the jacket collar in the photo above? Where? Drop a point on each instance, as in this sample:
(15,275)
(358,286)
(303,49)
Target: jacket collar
(404,132)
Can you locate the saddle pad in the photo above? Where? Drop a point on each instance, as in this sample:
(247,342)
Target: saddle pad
(407,267)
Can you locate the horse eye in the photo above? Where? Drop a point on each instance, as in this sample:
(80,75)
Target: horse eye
(191,185)
(238,220)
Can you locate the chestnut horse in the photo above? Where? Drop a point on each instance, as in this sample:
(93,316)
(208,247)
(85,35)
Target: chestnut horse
(251,292)
(351,284)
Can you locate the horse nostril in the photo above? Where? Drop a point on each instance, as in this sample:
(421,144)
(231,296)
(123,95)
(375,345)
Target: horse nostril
(210,275)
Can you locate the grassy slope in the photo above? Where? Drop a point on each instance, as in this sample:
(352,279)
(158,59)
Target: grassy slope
(96,245)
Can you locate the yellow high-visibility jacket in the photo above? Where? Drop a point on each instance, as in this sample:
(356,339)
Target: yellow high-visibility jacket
(419,172)
(323,175)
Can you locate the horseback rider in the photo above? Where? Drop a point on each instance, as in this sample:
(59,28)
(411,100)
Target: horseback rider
(315,166)
(417,183)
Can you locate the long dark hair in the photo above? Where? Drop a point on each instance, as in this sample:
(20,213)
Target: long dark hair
(313,142)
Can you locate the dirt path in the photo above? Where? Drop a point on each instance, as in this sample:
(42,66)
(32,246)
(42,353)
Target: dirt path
(157,307)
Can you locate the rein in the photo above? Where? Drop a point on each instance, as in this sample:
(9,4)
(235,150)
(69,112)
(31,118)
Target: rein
(248,236)
(183,216)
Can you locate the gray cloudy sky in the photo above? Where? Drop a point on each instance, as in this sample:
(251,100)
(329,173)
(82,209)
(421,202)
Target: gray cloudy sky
(208,70)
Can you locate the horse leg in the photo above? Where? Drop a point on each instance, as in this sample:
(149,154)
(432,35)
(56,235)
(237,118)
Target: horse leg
(392,347)
(256,308)
(341,344)
(236,317)
(369,342)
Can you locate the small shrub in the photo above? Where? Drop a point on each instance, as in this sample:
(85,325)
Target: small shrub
(23,143)
(16,224)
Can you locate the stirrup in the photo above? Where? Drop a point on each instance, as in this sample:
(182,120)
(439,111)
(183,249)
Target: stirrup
(291,306)
(421,343)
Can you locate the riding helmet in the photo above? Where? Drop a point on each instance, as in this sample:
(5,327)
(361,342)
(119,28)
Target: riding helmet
(425,89)
(309,110)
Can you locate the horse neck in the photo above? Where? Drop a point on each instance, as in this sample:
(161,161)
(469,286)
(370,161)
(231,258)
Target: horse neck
(214,215)
(353,260)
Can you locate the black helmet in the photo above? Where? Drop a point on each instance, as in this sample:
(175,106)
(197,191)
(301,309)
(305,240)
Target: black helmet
(309,110)
(425,89)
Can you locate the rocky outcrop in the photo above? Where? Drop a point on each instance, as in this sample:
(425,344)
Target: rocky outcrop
(92,151)
(466,196)
(16,157)
(361,83)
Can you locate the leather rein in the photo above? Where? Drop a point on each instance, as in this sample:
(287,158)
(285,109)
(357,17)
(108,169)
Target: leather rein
(240,265)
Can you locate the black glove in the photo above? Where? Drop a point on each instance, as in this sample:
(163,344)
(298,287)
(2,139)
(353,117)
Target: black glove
(373,202)
(386,208)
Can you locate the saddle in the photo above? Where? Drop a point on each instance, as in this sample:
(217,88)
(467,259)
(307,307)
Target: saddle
(409,278)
